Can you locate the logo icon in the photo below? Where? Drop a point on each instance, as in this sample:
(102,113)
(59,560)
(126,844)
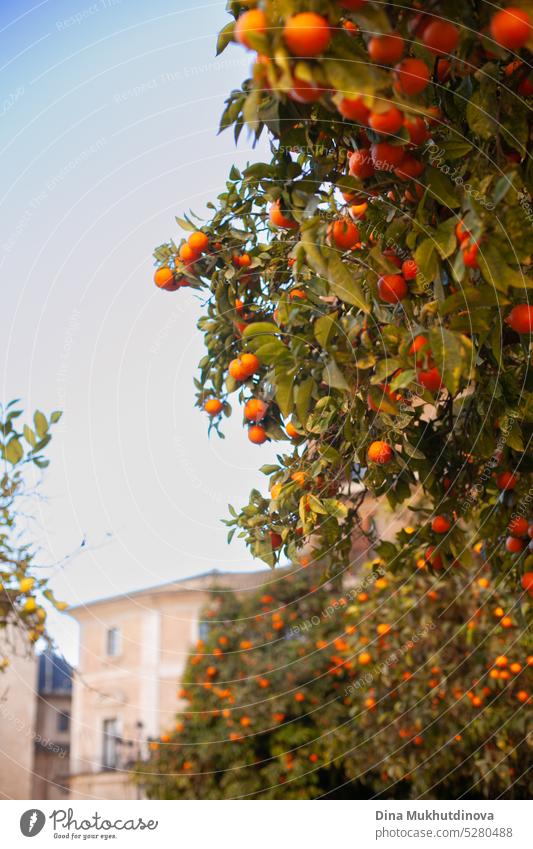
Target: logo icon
(32,822)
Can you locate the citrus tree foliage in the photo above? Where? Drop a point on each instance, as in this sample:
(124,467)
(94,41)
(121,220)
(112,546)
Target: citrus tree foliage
(22,589)
(367,289)
(383,687)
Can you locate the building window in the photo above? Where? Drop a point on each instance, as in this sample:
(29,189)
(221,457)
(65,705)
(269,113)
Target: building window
(113,642)
(63,721)
(203,630)
(110,740)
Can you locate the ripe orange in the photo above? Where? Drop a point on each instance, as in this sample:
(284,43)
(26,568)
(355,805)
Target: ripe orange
(380,452)
(470,252)
(365,658)
(255,410)
(213,406)
(409,168)
(386,49)
(237,370)
(522,696)
(527,581)
(344,233)
(276,540)
(440,525)
(306,34)
(279,219)
(388,122)
(291,431)
(299,697)
(385,156)
(198,241)
(164,279)
(305,92)
(383,629)
(518,526)
(506,480)
(249,24)
(440,37)
(506,622)
(433,559)
(298,477)
(188,254)
(520,319)
(418,132)
(431,378)
(501,661)
(250,363)
(361,164)
(409,269)
(354,109)
(392,288)
(412,76)
(257,434)
(511,27)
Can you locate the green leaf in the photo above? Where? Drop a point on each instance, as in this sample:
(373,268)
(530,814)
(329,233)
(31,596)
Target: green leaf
(479,118)
(29,435)
(324,327)
(225,37)
(427,261)
(316,505)
(41,425)
(302,394)
(260,328)
(445,240)
(441,187)
(334,376)
(344,284)
(453,355)
(496,271)
(56,415)
(14,451)
(382,401)
(472,296)
(284,393)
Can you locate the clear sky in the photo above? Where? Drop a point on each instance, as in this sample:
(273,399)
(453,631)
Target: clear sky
(109,113)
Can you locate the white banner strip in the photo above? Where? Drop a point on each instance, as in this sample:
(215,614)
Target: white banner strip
(218,824)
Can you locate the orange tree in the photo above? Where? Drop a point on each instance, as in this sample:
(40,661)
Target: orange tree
(308,688)
(22,588)
(367,289)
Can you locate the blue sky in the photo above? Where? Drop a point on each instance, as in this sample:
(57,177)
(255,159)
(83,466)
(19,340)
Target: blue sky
(109,115)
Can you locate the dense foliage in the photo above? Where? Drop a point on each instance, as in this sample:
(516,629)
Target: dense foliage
(304,689)
(22,588)
(367,290)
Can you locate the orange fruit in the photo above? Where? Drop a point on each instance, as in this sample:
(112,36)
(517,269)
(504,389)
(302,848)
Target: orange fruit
(501,661)
(249,24)
(250,363)
(361,164)
(511,27)
(291,431)
(383,629)
(431,379)
(188,254)
(506,480)
(386,49)
(514,545)
(527,581)
(354,109)
(237,370)
(518,526)
(279,219)
(213,406)
(344,233)
(385,156)
(440,525)
(198,241)
(306,34)
(257,434)
(412,76)
(392,288)
(418,132)
(435,560)
(380,452)
(409,269)
(389,121)
(522,696)
(364,658)
(276,540)
(164,279)
(440,37)
(255,410)
(506,622)
(520,319)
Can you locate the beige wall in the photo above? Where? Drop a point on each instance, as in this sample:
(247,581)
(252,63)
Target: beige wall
(137,686)
(18,701)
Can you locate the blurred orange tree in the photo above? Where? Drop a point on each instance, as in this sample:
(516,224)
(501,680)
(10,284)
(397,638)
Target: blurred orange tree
(306,688)
(22,588)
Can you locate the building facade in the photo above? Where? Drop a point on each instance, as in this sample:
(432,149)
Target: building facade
(133,651)
(52,728)
(18,710)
